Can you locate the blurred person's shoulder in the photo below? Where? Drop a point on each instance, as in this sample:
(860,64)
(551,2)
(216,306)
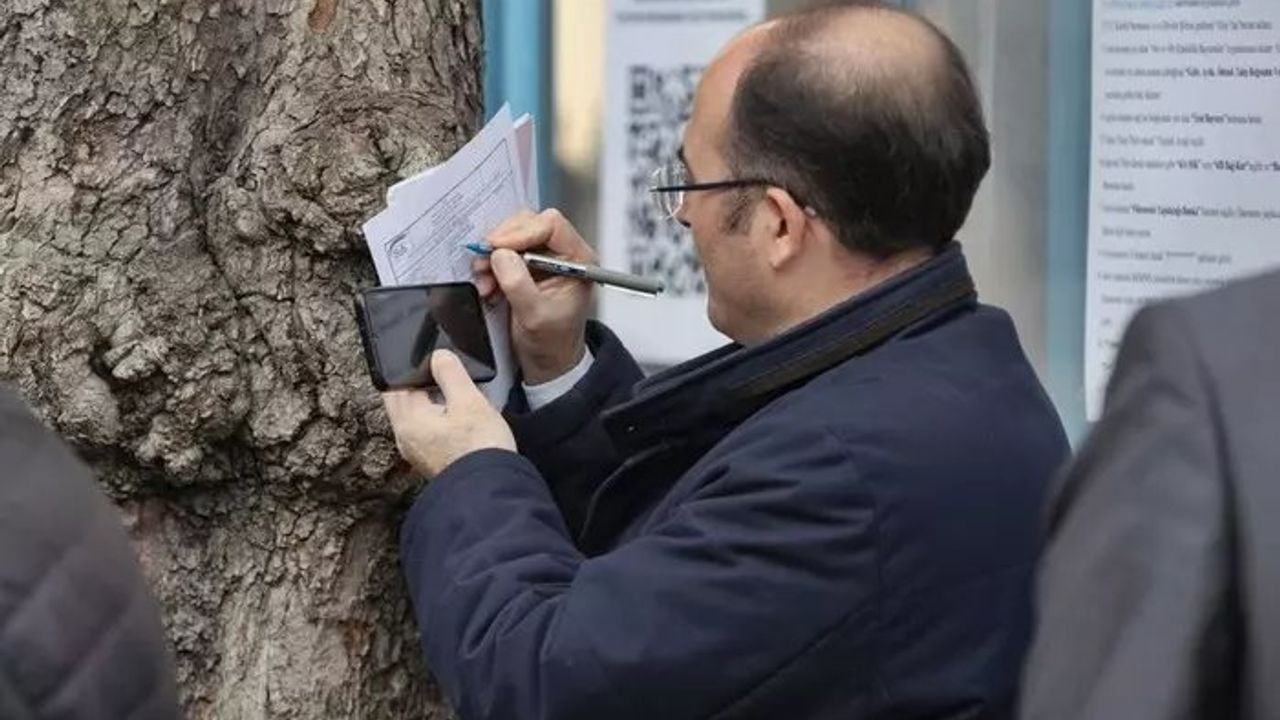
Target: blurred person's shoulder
(41,473)
(1223,349)
(1233,329)
(81,633)
(1246,305)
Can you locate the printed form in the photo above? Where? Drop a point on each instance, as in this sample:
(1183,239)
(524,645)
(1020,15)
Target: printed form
(421,237)
(526,137)
(1185,173)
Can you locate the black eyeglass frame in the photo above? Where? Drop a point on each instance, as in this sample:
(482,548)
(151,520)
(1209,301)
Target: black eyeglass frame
(718,185)
(724,185)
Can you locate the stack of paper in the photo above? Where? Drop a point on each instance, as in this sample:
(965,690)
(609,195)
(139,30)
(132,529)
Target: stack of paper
(421,237)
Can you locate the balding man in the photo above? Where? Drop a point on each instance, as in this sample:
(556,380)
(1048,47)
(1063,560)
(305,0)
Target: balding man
(836,516)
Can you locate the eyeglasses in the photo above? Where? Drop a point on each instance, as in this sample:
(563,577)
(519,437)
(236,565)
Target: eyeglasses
(670,182)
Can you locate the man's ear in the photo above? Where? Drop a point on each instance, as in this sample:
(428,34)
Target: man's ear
(788,225)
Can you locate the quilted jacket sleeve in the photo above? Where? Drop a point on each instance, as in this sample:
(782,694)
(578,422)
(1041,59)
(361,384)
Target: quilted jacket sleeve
(80,635)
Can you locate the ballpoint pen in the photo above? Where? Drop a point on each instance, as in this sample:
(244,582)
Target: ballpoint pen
(557,266)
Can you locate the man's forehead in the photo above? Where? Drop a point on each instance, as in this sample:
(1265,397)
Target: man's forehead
(714,92)
(722,74)
(749,41)
(714,96)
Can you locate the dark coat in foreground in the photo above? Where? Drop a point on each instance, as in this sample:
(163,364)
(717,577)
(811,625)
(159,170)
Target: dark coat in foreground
(80,636)
(840,523)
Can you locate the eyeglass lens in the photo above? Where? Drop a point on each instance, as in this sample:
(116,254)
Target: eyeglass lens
(671,174)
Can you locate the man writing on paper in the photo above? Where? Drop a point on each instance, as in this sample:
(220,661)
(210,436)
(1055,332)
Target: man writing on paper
(834,517)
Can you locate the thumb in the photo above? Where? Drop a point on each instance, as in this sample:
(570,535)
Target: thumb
(458,388)
(514,279)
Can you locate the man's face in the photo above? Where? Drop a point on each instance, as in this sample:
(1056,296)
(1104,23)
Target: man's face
(738,281)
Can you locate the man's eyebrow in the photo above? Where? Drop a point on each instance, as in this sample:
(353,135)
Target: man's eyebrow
(680,157)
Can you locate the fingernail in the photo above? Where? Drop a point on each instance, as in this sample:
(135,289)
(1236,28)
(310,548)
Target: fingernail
(504,258)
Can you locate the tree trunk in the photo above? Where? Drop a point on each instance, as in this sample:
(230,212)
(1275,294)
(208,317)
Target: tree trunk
(181,188)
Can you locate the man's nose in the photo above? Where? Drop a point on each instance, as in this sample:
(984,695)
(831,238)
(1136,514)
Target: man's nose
(680,214)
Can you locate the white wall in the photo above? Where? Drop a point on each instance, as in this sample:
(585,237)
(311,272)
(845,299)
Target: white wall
(1005,42)
(1006,45)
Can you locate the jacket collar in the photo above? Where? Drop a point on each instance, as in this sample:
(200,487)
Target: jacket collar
(688,399)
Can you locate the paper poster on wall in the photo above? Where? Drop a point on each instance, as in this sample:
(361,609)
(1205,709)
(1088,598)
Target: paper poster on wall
(1185,166)
(656,51)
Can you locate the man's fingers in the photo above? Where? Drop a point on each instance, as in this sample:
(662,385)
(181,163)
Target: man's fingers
(514,279)
(409,410)
(522,231)
(486,284)
(513,223)
(405,404)
(458,388)
(562,239)
(547,231)
(482,271)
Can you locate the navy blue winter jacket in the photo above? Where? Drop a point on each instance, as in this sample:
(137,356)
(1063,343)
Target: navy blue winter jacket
(855,543)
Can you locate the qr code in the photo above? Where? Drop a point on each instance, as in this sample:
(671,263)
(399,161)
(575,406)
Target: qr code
(657,109)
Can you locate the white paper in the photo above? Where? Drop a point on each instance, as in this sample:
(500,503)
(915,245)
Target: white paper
(421,236)
(526,148)
(1185,167)
(656,53)
(527,145)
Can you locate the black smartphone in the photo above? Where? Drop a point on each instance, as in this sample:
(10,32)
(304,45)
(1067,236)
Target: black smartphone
(402,326)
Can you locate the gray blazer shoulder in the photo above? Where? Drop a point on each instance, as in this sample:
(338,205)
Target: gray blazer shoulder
(1156,568)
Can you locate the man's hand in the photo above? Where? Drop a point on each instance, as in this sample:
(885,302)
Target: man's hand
(432,437)
(549,315)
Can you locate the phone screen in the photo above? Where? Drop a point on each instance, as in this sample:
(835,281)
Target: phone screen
(404,325)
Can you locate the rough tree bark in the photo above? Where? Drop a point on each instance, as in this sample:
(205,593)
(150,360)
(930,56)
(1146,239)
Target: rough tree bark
(181,187)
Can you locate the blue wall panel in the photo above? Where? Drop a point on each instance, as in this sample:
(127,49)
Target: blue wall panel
(517,40)
(1070,53)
